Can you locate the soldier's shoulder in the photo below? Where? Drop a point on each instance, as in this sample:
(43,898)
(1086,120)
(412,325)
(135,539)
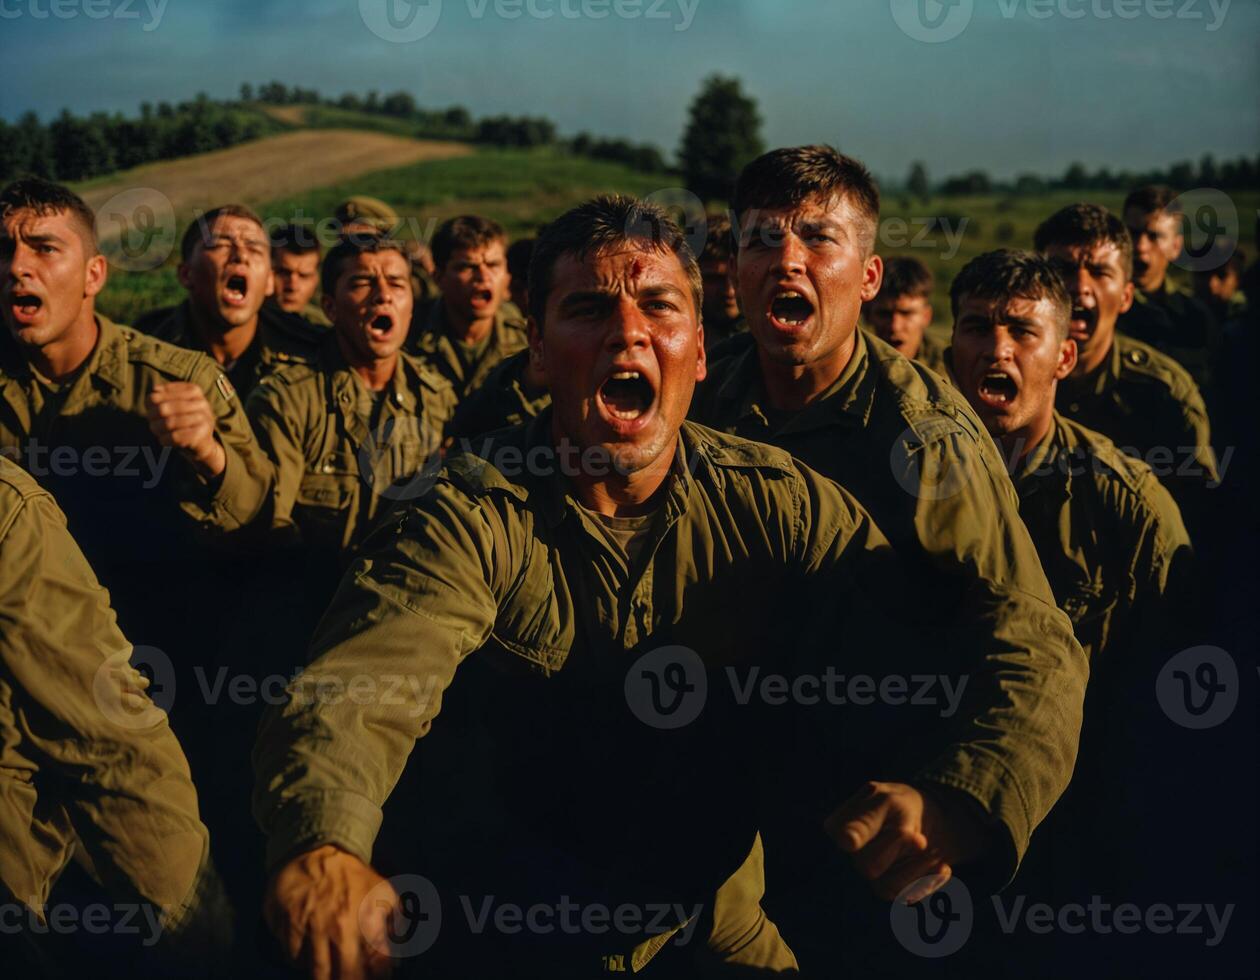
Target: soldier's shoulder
(288,378)
(426,374)
(17,489)
(489,466)
(730,347)
(289,338)
(1126,485)
(1142,364)
(168,359)
(919,400)
(732,452)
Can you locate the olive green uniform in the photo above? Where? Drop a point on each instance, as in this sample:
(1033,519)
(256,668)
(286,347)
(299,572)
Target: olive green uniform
(281,338)
(513,566)
(931,355)
(86,758)
(342,453)
(1170,319)
(506,398)
(104,407)
(1148,405)
(903,441)
(467,369)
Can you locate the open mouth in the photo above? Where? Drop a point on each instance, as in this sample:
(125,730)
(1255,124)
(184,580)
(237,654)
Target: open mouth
(997,388)
(627,396)
(790,309)
(381,326)
(235,290)
(1082,323)
(482,296)
(26,307)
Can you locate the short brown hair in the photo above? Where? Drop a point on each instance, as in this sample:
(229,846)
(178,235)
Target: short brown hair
(466,231)
(905,276)
(786,177)
(1085,226)
(607,222)
(198,230)
(1010,273)
(47,198)
(1153,198)
(349,247)
(295,238)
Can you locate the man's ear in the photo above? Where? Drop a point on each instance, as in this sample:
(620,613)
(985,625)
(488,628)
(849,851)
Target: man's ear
(1126,301)
(872,278)
(328,304)
(184,275)
(702,359)
(1067,359)
(95,275)
(271,283)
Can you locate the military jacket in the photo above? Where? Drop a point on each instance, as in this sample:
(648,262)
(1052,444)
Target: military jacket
(1150,408)
(434,345)
(504,399)
(1110,538)
(903,441)
(1174,322)
(121,491)
(340,459)
(86,758)
(281,339)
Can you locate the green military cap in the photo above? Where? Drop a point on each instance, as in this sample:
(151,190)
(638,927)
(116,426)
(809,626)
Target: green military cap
(368,211)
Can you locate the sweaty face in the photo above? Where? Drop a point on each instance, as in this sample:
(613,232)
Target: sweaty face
(899,320)
(1006,356)
(474,281)
(1100,291)
(47,275)
(803,275)
(297,276)
(371,305)
(622,348)
(721,303)
(1157,241)
(228,274)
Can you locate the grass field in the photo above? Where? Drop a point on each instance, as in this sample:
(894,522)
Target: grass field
(304,173)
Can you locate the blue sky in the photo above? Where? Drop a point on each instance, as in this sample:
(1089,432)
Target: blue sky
(1028,85)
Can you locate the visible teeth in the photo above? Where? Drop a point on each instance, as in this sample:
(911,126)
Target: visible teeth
(789,294)
(625,376)
(626,416)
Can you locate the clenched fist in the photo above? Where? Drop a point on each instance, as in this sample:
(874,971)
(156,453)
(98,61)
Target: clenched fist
(898,835)
(315,908)
(180,416)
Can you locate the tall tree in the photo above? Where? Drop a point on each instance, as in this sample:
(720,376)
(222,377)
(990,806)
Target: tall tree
(722,134)
(917,183)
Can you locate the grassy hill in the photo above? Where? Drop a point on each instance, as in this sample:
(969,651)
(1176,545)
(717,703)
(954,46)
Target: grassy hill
(305,172)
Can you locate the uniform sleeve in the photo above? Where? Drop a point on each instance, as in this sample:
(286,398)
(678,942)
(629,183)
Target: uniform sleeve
(241,494)
(80,712)
(1013,741)
(422,596)
(278,426)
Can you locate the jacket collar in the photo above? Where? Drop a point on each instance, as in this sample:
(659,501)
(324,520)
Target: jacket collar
(848,401)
